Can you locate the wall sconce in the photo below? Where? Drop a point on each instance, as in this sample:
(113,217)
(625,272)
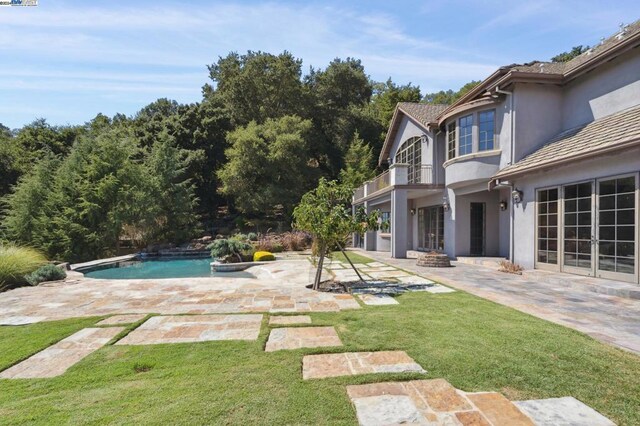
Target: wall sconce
(445,204)
(516,195)
(503,205)
(413,212)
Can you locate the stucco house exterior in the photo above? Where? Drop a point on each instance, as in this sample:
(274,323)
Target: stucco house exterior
(538,164)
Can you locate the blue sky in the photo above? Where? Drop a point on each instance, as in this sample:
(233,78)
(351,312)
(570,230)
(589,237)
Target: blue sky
(66,61)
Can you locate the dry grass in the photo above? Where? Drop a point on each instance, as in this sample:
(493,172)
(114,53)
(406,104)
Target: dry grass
(510,267)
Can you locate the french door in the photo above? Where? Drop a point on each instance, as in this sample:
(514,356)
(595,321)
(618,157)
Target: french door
(431,228)
(599,228)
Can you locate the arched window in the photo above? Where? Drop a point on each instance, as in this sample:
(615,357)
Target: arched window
(410,152)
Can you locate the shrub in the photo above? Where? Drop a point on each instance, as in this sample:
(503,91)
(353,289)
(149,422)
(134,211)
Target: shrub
(252,236)
(263,256)
(15,263)
(510,267)
(295,241)
(46,273)
(269,243)
(225,249)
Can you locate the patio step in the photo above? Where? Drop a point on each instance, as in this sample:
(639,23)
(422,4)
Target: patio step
(487,262)
(578,282)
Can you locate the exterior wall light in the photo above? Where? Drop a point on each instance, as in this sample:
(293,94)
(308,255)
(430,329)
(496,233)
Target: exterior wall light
(413,212)
(516,195)
(445,204)
(503,205)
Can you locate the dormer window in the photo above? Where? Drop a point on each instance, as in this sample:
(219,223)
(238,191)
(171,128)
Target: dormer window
(486,130)
(410,152)
(466,135)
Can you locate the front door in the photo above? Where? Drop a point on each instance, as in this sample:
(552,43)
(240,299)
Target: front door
(431,228)
(477,229)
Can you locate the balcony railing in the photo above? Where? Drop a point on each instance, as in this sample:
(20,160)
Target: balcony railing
(399,175)
(378,183)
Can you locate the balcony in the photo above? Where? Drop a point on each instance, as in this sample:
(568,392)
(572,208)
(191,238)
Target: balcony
(398,174)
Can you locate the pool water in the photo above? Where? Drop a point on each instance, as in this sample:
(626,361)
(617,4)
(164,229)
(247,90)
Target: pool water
(173,268)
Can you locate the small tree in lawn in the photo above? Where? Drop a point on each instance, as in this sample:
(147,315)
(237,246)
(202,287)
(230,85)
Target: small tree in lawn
(325,213)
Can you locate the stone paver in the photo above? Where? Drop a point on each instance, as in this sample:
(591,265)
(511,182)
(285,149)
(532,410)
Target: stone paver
(277,287)
(565,411)
(290,319)
(610,319)
(301,337)
(352,363)
(498,409)
(377,299)
(194,328)
(55,360)
(122,319)
(436,402)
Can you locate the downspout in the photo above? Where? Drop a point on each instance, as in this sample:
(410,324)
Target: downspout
(512,126)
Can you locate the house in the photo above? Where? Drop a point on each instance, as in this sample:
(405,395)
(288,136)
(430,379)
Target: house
(539,164)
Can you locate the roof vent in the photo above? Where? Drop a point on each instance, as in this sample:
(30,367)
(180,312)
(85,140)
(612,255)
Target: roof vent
(541,67)
(601,41)
(623,31)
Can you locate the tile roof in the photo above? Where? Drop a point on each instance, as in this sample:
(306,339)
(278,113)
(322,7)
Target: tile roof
(423,113)
(603,134)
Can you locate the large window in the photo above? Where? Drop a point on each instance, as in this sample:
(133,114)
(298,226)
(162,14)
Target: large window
(466,135)
(410,152)
(486,129)
(616,230)
(451,141)
(548,226)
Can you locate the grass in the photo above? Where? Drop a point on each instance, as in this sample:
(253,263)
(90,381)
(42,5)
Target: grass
(475,344)
(353,256)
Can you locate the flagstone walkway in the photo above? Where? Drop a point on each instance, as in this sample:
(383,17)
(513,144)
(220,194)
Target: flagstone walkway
(353,363)
(610,319)
(277,287)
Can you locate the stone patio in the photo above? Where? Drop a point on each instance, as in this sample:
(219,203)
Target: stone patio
(122,319)
(301,337)
(56,359)
(437,402)
(555,297)
(194,328)
(353,363)
(377,299)
(277,287)
(290,320)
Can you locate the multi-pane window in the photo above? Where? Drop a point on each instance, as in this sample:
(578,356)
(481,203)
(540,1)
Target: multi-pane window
(486,130)
(410,152)
(616,230)
(577,225)
(451,140)
(466,135)
(548,226)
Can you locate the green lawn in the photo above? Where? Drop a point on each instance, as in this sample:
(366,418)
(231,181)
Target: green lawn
(475,344)
(353,256)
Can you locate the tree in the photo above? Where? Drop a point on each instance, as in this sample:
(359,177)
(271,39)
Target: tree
(258,86)
(172,191)
(358,163)
(269,164)
(387,95)
(325,213)
(449,97)
(567,56)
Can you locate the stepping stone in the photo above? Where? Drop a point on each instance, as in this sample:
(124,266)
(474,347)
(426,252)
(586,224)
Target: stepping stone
(498,409)
(352,363)
(388,274)
(56,359)
(437,288)
(194,328)
(377,299)
(20,320)
(122,319)
(288,320)
(566,411)
(301,337)
(414,280)
(376,264)
(387,410)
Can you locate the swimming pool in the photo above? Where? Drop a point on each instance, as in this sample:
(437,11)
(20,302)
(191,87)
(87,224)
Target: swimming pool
(156,268)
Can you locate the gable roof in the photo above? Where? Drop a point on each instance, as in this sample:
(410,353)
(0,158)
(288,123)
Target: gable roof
(626,38)
(422,114)
(613,132)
